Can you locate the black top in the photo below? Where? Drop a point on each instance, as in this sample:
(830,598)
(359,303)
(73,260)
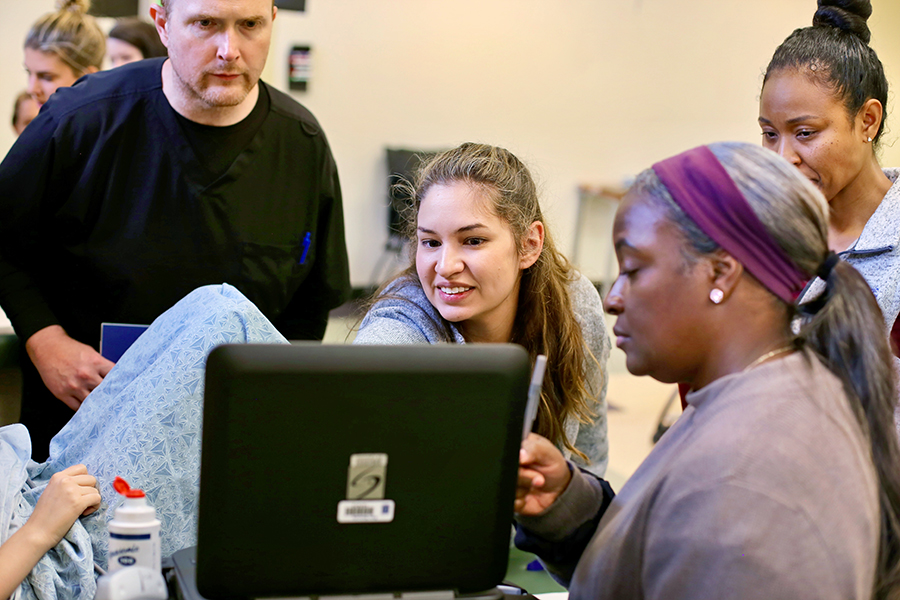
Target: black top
(218,147)
(108,214)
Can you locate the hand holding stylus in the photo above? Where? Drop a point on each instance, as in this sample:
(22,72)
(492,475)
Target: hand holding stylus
(543,476)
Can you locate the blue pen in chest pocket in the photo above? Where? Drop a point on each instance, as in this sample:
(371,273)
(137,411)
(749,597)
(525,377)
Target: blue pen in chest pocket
(307,240)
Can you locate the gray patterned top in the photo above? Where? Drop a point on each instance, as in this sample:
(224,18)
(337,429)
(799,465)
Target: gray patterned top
(405,316)
(876,255)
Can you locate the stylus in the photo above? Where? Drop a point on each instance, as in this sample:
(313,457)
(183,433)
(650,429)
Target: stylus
(534,394)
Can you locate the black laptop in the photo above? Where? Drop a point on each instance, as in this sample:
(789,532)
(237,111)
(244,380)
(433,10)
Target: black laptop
(345,470)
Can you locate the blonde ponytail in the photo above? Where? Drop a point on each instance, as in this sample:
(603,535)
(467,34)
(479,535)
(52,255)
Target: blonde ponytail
(71,34)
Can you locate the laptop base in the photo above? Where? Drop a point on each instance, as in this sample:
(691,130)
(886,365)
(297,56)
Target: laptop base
(185,585)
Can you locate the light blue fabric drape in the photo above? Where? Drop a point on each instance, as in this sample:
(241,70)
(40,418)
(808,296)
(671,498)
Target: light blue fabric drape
(142,423)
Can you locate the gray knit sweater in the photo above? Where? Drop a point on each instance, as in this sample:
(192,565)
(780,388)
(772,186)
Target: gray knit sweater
(403,315)
(876,255)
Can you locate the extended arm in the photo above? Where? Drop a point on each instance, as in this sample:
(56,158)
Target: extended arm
(558,507)
(33,182)
(71,493)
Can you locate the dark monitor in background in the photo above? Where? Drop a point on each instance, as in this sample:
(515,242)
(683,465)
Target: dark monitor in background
(402,165)
(129,8)
(291,4)
(341,469)
(114,8)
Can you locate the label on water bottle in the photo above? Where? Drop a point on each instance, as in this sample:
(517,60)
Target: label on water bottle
(128,550)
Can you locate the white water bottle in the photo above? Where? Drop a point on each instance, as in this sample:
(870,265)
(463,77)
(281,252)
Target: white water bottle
(133,532)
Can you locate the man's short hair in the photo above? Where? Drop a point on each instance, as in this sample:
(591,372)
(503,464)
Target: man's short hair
(167,3)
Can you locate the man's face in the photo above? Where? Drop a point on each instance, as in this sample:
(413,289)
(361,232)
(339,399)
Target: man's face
(217,48)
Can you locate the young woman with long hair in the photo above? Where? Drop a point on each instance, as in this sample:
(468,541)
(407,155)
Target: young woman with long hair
(485,269)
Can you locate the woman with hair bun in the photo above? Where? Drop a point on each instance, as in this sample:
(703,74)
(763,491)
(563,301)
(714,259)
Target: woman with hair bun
(823,107)
(781,478)
(62,47)
(131,40)
(485,269)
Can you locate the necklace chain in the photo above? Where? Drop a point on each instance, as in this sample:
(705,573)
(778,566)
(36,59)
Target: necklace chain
(769,355)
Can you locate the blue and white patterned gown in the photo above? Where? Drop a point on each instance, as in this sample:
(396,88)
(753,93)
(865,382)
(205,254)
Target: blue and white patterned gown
(142,423)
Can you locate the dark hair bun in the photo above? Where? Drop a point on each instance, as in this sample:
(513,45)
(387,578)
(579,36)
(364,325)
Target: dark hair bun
(846,15)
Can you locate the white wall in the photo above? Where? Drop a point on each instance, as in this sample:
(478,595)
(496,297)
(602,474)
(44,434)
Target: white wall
(886,43)
(20,15)
(586,91)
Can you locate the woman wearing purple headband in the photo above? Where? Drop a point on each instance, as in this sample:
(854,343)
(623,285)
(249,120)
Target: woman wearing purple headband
(781,478)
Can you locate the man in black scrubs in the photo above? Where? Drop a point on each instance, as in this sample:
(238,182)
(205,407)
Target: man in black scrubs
(139,184)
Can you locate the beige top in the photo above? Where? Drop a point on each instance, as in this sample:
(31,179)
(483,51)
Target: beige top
(764,488)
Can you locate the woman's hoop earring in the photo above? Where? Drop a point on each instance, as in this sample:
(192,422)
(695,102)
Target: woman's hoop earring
(716,295)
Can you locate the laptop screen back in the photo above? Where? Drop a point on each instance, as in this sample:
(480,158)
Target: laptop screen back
(340,469)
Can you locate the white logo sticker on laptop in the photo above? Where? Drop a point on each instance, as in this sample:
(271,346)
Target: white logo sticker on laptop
(365,511)
(366,476)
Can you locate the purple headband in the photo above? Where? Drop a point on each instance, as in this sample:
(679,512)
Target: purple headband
(702,188)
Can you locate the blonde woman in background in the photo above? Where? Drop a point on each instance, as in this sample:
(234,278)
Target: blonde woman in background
(61,47)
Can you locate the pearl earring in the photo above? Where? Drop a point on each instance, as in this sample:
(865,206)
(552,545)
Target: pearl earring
(716,295)
(869,140)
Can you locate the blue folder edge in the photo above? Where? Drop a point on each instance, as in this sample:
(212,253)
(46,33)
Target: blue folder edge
(116,338)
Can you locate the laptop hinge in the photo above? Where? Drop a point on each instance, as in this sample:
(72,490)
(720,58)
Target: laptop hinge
(428,595)
(432,595)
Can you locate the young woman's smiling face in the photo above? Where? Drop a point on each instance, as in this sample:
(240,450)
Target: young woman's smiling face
(468,260)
